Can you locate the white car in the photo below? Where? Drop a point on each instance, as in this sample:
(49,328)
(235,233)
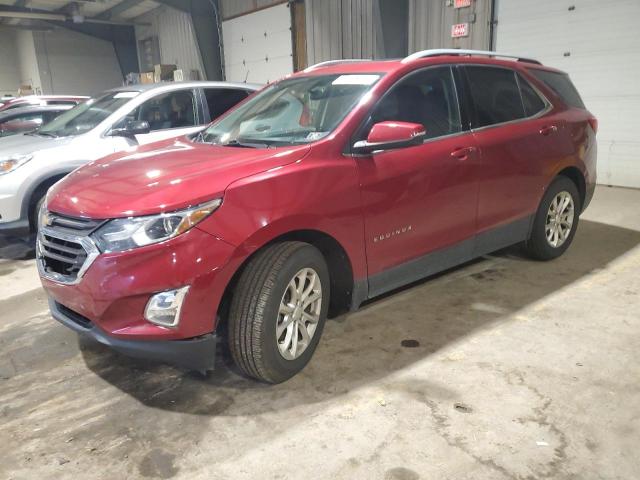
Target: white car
(114,121)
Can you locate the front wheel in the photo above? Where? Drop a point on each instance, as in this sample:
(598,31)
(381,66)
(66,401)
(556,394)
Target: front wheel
(278,311)
(556,221)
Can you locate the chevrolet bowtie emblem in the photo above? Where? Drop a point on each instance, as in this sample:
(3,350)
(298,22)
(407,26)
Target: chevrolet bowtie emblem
(46,220)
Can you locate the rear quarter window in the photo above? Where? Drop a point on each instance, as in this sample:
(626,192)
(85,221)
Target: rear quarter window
(533,104)
(561,84)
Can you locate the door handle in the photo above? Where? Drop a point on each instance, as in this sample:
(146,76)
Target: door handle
(548,130)
(463,153)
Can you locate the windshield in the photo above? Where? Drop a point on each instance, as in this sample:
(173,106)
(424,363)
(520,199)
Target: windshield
(86,116)
(290,112)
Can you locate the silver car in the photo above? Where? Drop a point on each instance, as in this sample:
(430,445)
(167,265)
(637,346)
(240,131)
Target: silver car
(116,120)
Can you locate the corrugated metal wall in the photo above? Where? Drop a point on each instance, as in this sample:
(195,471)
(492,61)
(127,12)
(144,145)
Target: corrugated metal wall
(176,37)
(430,25)
(351,28)
(340,29)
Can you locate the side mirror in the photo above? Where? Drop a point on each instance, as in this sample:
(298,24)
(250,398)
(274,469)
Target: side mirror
(131,129)
(391,135)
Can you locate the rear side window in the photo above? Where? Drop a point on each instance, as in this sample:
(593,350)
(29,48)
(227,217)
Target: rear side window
(495,95)
(219,100)
(533,104)
(561,85)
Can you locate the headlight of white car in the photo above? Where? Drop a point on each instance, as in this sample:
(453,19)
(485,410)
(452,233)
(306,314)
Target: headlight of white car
(126,233)
(10,163)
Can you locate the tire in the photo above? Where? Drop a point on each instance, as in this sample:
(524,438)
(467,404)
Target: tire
(256,311)
(37,203)
(539,246)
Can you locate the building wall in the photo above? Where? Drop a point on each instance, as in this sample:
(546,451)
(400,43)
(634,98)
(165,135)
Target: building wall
(177,41)
(28,60)
(340,29)
(354,28)
(430,25)
(10,67)
(73,63)
(233,8)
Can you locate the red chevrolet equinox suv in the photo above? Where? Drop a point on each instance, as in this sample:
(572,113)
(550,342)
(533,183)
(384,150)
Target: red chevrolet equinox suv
(325,189)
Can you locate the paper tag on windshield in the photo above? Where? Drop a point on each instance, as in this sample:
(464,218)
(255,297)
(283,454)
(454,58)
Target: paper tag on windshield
(355,80)
(125,94)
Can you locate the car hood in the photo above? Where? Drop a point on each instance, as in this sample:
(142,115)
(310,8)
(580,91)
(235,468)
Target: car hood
(25,144)
(161,177)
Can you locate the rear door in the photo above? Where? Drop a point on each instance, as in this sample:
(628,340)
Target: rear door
(519,139)
(420,199)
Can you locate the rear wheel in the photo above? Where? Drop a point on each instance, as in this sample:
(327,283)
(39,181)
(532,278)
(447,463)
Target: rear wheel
(278,311)
(556,221)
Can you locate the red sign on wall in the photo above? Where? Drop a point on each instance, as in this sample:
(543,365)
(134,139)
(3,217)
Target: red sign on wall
(460,30)
(461,3)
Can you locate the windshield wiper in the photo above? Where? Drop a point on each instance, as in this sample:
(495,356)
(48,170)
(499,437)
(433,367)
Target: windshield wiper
(36,133)
(237,143)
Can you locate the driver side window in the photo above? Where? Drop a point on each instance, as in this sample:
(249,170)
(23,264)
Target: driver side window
(171,110)
(427,97)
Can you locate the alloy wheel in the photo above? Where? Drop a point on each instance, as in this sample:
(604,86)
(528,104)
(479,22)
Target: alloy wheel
(299,313)
(559,219)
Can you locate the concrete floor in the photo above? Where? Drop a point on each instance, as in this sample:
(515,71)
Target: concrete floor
(514,370)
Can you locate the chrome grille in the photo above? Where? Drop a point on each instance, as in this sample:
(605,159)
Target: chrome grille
(64,248)
(77,226)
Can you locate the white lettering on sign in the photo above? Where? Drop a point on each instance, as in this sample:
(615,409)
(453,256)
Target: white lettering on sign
(461,3)
(460,30)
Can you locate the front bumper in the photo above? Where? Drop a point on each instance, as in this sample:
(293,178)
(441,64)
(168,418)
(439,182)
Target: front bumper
(114,290)
(194,353)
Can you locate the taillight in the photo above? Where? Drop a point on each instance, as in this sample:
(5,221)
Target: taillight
(593,121)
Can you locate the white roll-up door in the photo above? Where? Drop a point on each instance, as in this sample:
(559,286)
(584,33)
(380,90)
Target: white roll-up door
(257,46)
(598,44)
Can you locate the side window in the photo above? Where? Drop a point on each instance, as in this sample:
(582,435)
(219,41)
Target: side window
(171,110)
(22,123)
(48,116)
(533,104)
(561,84)
(495,95)
(29,117)
(219,100)
(427,97)
(62,102)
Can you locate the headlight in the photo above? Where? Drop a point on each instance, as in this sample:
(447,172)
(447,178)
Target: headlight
(126,233)
(9,164)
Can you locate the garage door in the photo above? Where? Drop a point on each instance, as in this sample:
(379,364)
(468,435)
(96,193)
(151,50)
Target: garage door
(257,46)
(597,43)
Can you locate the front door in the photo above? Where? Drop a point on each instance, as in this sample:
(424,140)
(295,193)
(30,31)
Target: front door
(419,202)
(169,115)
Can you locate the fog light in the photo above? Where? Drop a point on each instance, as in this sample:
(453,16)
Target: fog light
(164,308)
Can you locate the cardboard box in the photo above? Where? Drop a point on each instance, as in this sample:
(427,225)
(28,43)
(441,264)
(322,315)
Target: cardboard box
(163,72)
(147,77)
(25,90)
(186,75)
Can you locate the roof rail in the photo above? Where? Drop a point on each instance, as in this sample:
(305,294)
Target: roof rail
(336,62)
(451,51)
